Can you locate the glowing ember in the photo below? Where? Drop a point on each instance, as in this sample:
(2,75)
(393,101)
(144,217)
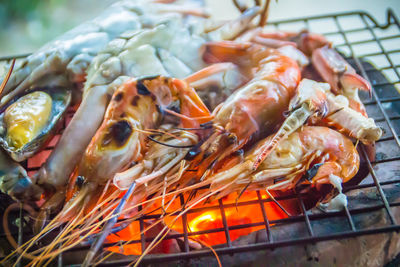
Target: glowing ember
(132,231)
(245,218)
(248,216)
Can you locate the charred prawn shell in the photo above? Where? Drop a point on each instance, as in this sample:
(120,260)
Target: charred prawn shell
(28,122)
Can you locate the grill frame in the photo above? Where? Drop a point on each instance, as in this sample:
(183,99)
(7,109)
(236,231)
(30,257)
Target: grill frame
(371,25)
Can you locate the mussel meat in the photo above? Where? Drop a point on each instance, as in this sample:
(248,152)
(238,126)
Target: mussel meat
(29,122)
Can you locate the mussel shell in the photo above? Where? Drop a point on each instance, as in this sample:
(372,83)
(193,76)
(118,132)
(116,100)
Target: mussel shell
(61,99)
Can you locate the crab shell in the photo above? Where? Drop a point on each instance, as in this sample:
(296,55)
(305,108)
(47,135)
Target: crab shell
(60,100)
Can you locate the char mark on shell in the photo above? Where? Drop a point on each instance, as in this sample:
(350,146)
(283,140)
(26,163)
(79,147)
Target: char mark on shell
(118,97)
(79,181)
(310,174)
(194,151)
(119,132)
(135,100)
(141,88)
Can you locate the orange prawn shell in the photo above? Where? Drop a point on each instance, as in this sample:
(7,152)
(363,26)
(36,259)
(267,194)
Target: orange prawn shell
(261,103)
(337,149)
(312,145)
(254,109)
(135,108)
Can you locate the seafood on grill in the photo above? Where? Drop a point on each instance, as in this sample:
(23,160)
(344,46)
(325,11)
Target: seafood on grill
(63,63)
(135,111)
(140,135)
(104,76)
(133,54)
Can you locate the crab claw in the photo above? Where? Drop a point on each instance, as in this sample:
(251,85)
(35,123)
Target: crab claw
(19,187)
(305,41)
(351,81)
(15,182)
(337,72)
(309,42)
(342,78)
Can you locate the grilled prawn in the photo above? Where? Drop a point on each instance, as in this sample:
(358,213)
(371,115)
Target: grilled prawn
(253,109)
(315,104)
(325,150)
(332,67)
(343,108)
(135,107)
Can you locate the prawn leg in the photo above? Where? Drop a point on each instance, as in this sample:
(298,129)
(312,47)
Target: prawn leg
(351,122)
(306,41)
(309,101)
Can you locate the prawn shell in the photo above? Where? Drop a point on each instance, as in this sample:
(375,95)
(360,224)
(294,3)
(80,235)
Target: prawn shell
(61,99)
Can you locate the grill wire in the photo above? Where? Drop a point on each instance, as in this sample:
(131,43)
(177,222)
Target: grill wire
(341,28)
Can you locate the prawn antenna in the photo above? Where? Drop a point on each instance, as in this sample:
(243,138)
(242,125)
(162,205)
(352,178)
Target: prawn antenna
(240,194)
(277,203)
(334,112)
(168,145)
(205,127)
(264,13)
(4,83)
(108,226)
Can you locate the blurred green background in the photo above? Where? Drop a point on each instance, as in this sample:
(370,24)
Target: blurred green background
(25,25)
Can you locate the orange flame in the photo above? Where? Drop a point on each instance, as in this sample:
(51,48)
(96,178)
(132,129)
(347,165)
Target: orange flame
(244,217)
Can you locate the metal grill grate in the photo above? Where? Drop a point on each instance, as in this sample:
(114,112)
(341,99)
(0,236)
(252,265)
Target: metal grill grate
(361,39)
